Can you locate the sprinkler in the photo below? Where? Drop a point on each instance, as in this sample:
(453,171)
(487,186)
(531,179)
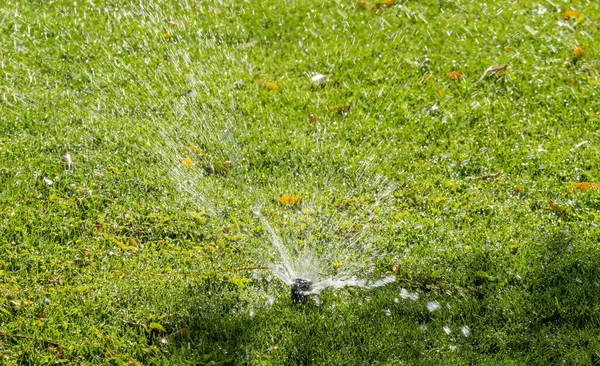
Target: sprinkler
(300,290)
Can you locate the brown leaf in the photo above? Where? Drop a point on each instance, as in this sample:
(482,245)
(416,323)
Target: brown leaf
(341,109)
(454,75)
(313,120)
(556,208)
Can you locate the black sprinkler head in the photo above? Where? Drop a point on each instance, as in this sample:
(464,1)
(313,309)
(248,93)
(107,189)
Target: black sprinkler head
(300,289)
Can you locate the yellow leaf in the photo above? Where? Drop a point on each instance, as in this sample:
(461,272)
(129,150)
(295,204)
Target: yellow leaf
(289,200)
(271,85)
(571,14)
(583,187)
(125,247)
(166,36)
(186,163)
(454,75)
(578,51)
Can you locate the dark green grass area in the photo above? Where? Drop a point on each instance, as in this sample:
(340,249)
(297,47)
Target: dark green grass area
(125,257)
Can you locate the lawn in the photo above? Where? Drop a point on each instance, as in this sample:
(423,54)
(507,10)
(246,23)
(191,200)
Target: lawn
(180,118)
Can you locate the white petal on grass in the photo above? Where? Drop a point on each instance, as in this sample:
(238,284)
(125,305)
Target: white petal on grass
(404,293)
(433,306)
(270,301)
(48,181)
(319,79)
(447,330)
(387,312)
(465,330)
(414,296)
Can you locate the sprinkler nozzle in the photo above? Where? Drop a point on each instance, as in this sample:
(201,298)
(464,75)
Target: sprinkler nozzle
(300,289)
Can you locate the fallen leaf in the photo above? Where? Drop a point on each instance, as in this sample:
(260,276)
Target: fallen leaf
(186,163)
(454,75)
(509,48)
(518,189)
(175,24)
(583,187)
(271,85)
(556,208)
(383,4)
(395,268)
(313,120)
(194,149)
(341,109)
(125,247)
(496,70)
(289,200)
(166,36)
(248,44)
(571,14)
(578,51)
(156,326)
(361,4)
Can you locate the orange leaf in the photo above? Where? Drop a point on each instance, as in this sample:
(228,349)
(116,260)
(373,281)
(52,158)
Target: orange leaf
(313,120)
(578,51)
(571,14)
(518,189)
(271,85)
(454,75)
(167,35)
(186,163)
(289,200)
(583,187)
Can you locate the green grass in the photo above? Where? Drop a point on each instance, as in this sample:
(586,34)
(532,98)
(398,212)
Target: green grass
(91,266)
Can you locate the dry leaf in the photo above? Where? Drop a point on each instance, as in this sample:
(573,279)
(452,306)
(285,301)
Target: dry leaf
(289,200)
(556,208)
(361,4)
(518,189)
(175,24)
(313,120)
(583,187)
(166,36)
(271,85)
(454,75)
(194,149)
(489,176)
(341,109)
(578,51)
(248,44)
(496,70)
(571,14)
(66,157)
(383,4)
(186,163)
(509,48)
